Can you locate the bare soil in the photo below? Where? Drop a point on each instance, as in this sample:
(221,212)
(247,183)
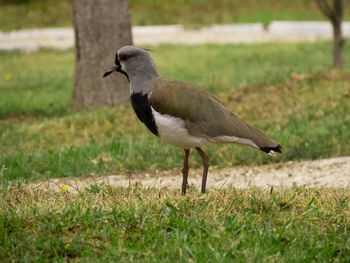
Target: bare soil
(333,172)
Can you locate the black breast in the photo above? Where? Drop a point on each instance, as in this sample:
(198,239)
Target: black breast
(143,111)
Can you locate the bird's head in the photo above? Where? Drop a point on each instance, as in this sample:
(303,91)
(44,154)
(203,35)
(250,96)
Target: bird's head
(132,61)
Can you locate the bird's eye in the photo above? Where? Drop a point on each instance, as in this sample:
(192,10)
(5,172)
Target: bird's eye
(123,57)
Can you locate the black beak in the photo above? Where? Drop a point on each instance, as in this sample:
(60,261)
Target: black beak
(116,68)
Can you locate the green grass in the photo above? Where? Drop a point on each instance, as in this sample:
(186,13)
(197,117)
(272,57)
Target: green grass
(19,14)
(30,83)
(284,89)
(107,224)
(287,90)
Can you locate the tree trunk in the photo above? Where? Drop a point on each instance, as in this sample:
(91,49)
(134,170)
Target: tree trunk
(335,16)
(338,43)
(101,28)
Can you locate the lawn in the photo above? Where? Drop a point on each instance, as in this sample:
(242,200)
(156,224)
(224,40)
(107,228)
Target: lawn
(106,224)
(20,14)
(286,90)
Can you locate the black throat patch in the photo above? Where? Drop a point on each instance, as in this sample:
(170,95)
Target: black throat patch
(119,67)
(143,111)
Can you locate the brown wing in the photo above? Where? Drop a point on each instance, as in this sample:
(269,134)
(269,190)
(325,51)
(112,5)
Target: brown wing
(203,114)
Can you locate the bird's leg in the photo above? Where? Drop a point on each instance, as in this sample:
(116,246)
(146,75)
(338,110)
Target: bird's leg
(205,159)
(185,171)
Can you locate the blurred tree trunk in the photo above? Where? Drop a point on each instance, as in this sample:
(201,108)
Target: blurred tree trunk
(335,16)
(101,28)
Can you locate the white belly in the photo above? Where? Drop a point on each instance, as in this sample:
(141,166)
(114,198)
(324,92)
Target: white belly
(172,130)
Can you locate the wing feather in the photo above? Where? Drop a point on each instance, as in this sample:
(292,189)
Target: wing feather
(203,114)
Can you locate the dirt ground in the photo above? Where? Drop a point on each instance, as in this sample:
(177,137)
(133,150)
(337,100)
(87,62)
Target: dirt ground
(333,172)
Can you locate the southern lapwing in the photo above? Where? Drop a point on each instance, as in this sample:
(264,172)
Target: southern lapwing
(181,114)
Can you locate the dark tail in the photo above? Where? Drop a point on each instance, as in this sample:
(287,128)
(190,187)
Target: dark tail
(269,150)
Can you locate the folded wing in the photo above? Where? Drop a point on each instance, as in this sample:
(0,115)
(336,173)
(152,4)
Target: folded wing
(205,116)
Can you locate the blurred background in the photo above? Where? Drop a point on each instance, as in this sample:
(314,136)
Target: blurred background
(21,14)
(278,75)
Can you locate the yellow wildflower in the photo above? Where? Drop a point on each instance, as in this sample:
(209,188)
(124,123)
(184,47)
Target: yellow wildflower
(8,76)
(66,246)
(63,188)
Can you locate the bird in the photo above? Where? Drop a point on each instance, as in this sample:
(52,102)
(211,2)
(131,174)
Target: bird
(182,114)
